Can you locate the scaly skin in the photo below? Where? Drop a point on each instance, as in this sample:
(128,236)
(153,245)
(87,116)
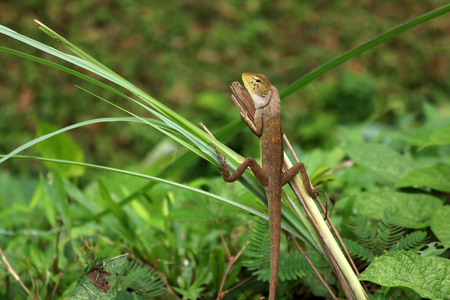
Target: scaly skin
(267,127)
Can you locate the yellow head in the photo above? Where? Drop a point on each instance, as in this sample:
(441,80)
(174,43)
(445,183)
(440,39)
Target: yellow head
(259,88)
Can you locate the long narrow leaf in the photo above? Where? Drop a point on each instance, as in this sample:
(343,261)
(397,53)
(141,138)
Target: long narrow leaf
(308,78)
(77,125)
(167,182)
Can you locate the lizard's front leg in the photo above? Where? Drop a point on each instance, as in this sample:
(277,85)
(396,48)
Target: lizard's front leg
(257,127)
(249,162)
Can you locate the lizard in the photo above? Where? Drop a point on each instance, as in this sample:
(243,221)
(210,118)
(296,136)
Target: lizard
(265,123)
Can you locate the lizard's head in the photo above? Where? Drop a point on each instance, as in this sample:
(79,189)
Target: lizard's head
(259,88)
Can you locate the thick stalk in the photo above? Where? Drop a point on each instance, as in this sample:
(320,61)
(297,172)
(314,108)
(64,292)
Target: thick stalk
(342,262)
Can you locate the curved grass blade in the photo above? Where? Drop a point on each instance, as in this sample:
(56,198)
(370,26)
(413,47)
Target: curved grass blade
(77,125)
(308,78)
(167,182)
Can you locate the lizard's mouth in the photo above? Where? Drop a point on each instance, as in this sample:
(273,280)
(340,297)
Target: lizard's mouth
(261,101)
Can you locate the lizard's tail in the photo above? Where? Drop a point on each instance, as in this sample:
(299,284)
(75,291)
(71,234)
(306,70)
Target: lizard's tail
(275,226)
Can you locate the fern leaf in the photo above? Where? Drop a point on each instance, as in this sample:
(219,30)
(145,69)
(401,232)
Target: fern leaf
(388,232)
(363,229)
(357,250)
(293,265)
(257,252)
(257,257)
(410,241)
(143,280)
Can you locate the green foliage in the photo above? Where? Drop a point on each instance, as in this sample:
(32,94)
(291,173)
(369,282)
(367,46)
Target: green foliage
(375,238)
(100,279)
(397,153)
(421,206)
(435,177)
(429,277)
(143,280)
(293,265)
(439,137)
(440,223)
(382,160)
(61,146)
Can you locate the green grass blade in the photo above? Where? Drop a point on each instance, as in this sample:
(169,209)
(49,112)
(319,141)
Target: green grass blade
(70,46)
(303,81)
(163,181)
(77,125)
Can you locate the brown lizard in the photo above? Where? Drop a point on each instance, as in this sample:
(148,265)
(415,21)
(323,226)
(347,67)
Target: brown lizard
(265,124)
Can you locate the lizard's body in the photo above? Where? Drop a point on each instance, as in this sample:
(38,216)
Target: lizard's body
(267,126)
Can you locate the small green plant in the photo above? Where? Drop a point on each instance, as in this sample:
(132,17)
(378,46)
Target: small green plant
(374,238)
(124,211)
(293,264)
(102,277)
(143,281)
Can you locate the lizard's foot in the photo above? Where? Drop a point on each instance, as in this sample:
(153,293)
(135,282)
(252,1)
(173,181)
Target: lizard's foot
(220,156)
(315,193)
(225,171)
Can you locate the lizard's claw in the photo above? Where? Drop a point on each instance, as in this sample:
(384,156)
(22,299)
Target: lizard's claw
(225,170)
(220,156)
(244,115)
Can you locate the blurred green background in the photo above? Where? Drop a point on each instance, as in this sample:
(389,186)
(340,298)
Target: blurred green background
(186,54)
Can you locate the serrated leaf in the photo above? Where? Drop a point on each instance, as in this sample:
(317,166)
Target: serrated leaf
(411,240)
(440,225)
(439,137)
(387,163)
(435,177)
(61,146)
(429,277)
(356,250)
(292,265)
(143,280)
(415,210)
(100,279)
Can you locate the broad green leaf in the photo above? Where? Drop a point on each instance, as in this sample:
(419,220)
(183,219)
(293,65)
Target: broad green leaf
(429,277)
(440,225)
(432,249)
(61,146)
(440,137)
(387,163)
(436,177)
(415,210)
(100,279)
